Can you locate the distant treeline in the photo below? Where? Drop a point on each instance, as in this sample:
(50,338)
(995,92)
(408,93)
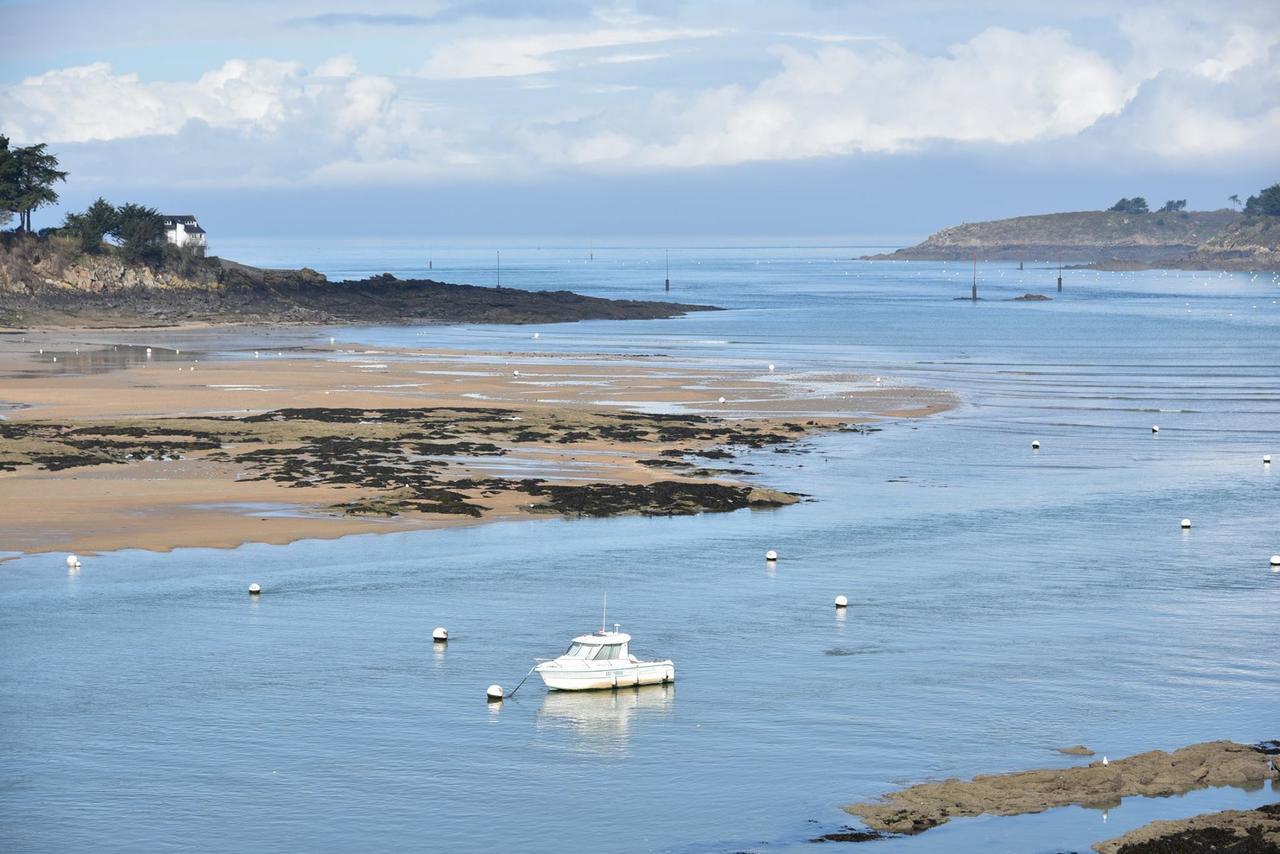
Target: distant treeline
(1266,203)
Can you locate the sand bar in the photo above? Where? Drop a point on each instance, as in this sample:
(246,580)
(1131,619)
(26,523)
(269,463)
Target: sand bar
(108,448)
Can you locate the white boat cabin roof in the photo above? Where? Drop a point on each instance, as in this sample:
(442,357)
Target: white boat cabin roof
(601,638)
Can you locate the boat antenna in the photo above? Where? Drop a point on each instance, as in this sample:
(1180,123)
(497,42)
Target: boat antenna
(667,283)
(604,613)
(499,269)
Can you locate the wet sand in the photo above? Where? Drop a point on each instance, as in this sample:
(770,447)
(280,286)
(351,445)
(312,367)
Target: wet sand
(193,496)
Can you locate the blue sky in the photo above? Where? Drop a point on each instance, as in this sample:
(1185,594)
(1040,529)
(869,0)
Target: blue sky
(596,120)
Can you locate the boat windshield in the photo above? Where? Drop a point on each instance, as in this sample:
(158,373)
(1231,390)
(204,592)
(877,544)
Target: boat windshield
(594,652)
(581,650)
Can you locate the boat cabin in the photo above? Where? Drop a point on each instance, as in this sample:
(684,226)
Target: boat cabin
(601,646)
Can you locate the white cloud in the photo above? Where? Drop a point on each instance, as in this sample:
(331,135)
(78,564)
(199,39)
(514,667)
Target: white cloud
(92,102)
(543,53)
(1001,87)
(587,100)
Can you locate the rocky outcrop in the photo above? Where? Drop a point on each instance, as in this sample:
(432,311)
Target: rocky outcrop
(1248,245)
(1227,832)
(48,283)
(1099,784)
(1082,236)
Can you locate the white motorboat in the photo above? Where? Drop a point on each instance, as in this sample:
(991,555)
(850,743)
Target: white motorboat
(603,660)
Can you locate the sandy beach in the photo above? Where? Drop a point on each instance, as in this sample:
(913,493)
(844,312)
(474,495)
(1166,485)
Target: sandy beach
(71,392)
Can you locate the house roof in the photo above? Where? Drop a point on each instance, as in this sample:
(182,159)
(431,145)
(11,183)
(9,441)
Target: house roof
(193,229)
(174,219)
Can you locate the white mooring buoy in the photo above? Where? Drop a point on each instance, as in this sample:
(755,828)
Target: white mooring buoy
(73,561)
(1035,444)
(842,602)
(494,693)
(440,635)
(1186,523)
(1266,459)
(771,366)
(255,588)
(1155,428)
(722,400)
(1275,560)
(771,555)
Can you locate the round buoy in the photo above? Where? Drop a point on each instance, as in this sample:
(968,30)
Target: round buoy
(1035,444)
(1155,428)
(515,373)
(771,366)
(722,400)
(72,560)
(494,693)
(255,588)
(1186,523)
(440,635)
(148,352)
(536,335)
(1275,560)
(842,602)
(771,555)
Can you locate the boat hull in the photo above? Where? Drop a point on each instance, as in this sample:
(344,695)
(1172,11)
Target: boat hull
(608,677)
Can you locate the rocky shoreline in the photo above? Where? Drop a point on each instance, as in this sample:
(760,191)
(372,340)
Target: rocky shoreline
(43,284)
(1099,784)
(1227,832)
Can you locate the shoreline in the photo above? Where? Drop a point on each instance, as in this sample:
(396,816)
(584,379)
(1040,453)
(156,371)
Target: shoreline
(109,448)
(1100,784)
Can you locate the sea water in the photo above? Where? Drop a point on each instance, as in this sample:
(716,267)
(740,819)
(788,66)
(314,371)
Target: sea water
(1003,601)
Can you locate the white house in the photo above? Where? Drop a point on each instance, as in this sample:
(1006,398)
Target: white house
(183,230)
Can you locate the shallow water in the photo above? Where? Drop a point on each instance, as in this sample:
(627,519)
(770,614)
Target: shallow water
(1003,602)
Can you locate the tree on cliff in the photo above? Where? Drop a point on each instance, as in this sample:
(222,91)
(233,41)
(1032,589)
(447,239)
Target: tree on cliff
(8,181)
(99,219)
(27,176)
(1266,203)
(1173,206)
(1136,205)
(140,231)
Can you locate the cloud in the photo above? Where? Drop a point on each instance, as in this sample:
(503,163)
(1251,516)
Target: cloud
(1000,87)
(597,99)
(542,53)
(365,19)
(449,14)
(263,121)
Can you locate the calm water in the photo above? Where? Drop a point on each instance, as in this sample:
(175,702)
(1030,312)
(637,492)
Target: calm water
(1003,602)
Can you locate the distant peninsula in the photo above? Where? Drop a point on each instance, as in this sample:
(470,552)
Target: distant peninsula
(48,282)
(1076,237)
(1127,236)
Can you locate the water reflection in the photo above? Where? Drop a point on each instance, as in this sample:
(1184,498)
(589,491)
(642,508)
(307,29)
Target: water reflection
(116,357)
(601,720)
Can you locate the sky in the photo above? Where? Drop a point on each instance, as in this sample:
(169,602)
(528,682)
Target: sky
(832,119)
